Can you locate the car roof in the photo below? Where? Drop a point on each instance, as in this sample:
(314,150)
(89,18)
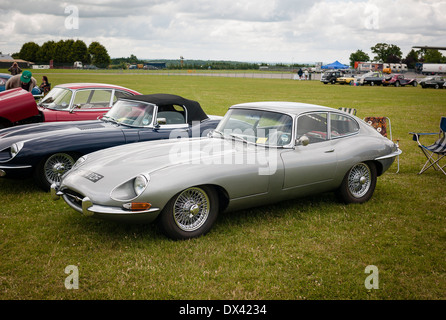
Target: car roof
(87,85)
(194,110)
(282,106)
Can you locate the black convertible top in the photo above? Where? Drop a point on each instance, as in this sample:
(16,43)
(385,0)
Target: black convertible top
(194,110)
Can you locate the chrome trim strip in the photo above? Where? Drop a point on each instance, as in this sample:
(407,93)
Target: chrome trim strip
(391,155)
(16,167)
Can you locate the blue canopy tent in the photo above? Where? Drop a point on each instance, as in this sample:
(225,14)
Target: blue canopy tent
(335,65)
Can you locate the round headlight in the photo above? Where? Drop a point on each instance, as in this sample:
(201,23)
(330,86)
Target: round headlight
(140,184)
(15,148)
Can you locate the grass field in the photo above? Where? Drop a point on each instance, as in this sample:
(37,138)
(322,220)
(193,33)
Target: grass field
(311,248)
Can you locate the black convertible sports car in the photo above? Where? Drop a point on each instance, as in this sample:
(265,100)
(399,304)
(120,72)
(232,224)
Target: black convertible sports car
(436,82)
(47,150)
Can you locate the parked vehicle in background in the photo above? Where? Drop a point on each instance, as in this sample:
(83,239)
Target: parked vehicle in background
(398,80)
(430,68)
(331,76)
(371,78)
(346,79)
(78,65)
(380,67)
(435,82)
(65,102)
(45,151)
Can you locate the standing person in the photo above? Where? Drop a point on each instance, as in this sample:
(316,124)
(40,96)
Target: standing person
(45,86)
(300,72)
(306,74)
(25,81)
(14,69)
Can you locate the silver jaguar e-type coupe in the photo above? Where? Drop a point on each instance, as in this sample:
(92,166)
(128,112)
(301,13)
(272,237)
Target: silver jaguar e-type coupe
(260,153)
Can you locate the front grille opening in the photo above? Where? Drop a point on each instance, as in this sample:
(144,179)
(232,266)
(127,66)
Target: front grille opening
(74,198)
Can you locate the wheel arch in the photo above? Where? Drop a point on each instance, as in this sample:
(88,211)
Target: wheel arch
(223,196)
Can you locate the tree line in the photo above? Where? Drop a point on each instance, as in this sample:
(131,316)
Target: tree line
(390,53)
(65,52)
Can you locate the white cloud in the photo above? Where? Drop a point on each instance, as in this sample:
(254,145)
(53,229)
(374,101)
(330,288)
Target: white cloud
(249,30)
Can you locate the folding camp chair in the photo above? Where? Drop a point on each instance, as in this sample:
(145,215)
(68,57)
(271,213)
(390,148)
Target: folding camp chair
(349,110)
(435,152)
(384,127)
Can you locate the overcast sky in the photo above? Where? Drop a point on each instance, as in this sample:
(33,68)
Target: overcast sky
(248,30)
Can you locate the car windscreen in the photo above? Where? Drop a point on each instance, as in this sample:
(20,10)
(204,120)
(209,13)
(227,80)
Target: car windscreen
(57,99)
(256,126)
(131,113)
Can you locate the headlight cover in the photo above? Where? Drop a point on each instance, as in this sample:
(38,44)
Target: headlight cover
(131,189)
(79,161)
(15,149)
(140,184)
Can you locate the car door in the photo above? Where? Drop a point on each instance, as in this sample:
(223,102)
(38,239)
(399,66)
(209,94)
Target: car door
(170,123)
(314,164)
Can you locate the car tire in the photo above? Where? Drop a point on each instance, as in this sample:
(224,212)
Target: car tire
(437,86)
(372,83)
(397,84)
(415,83)
(358,184)
(51,168)
(190,213)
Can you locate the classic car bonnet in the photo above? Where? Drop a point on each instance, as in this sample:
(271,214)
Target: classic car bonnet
(118,164)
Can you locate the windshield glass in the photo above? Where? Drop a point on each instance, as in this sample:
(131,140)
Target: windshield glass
(255,126)
(58,99)
(132,113)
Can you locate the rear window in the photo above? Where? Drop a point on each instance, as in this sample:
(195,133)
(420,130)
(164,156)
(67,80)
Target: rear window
(342,126)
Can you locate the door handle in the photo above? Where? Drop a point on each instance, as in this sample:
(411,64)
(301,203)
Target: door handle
(329,151)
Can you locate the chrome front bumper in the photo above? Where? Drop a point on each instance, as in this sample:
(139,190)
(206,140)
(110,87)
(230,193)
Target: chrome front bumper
(85,206)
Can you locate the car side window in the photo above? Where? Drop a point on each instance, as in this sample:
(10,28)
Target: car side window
(95,98)
(171,114)
(342,125)
(314,126)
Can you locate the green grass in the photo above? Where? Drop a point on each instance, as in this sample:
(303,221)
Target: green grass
(310,248)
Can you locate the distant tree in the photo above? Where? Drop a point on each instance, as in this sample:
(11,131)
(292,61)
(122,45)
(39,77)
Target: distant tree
(411,59)
(61,52)
(46,52)
(80,52)
(386,53)
(29,51)
(99,55)
(433,56)
(359,55)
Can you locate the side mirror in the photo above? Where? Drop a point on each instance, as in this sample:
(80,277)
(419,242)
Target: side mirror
(161,120)
(304,141)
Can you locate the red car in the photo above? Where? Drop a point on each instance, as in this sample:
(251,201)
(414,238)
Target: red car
(65,102)
(399,80)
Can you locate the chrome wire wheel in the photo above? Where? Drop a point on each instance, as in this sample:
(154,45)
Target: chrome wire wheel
(359,180)
(56,165)
(191,209)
